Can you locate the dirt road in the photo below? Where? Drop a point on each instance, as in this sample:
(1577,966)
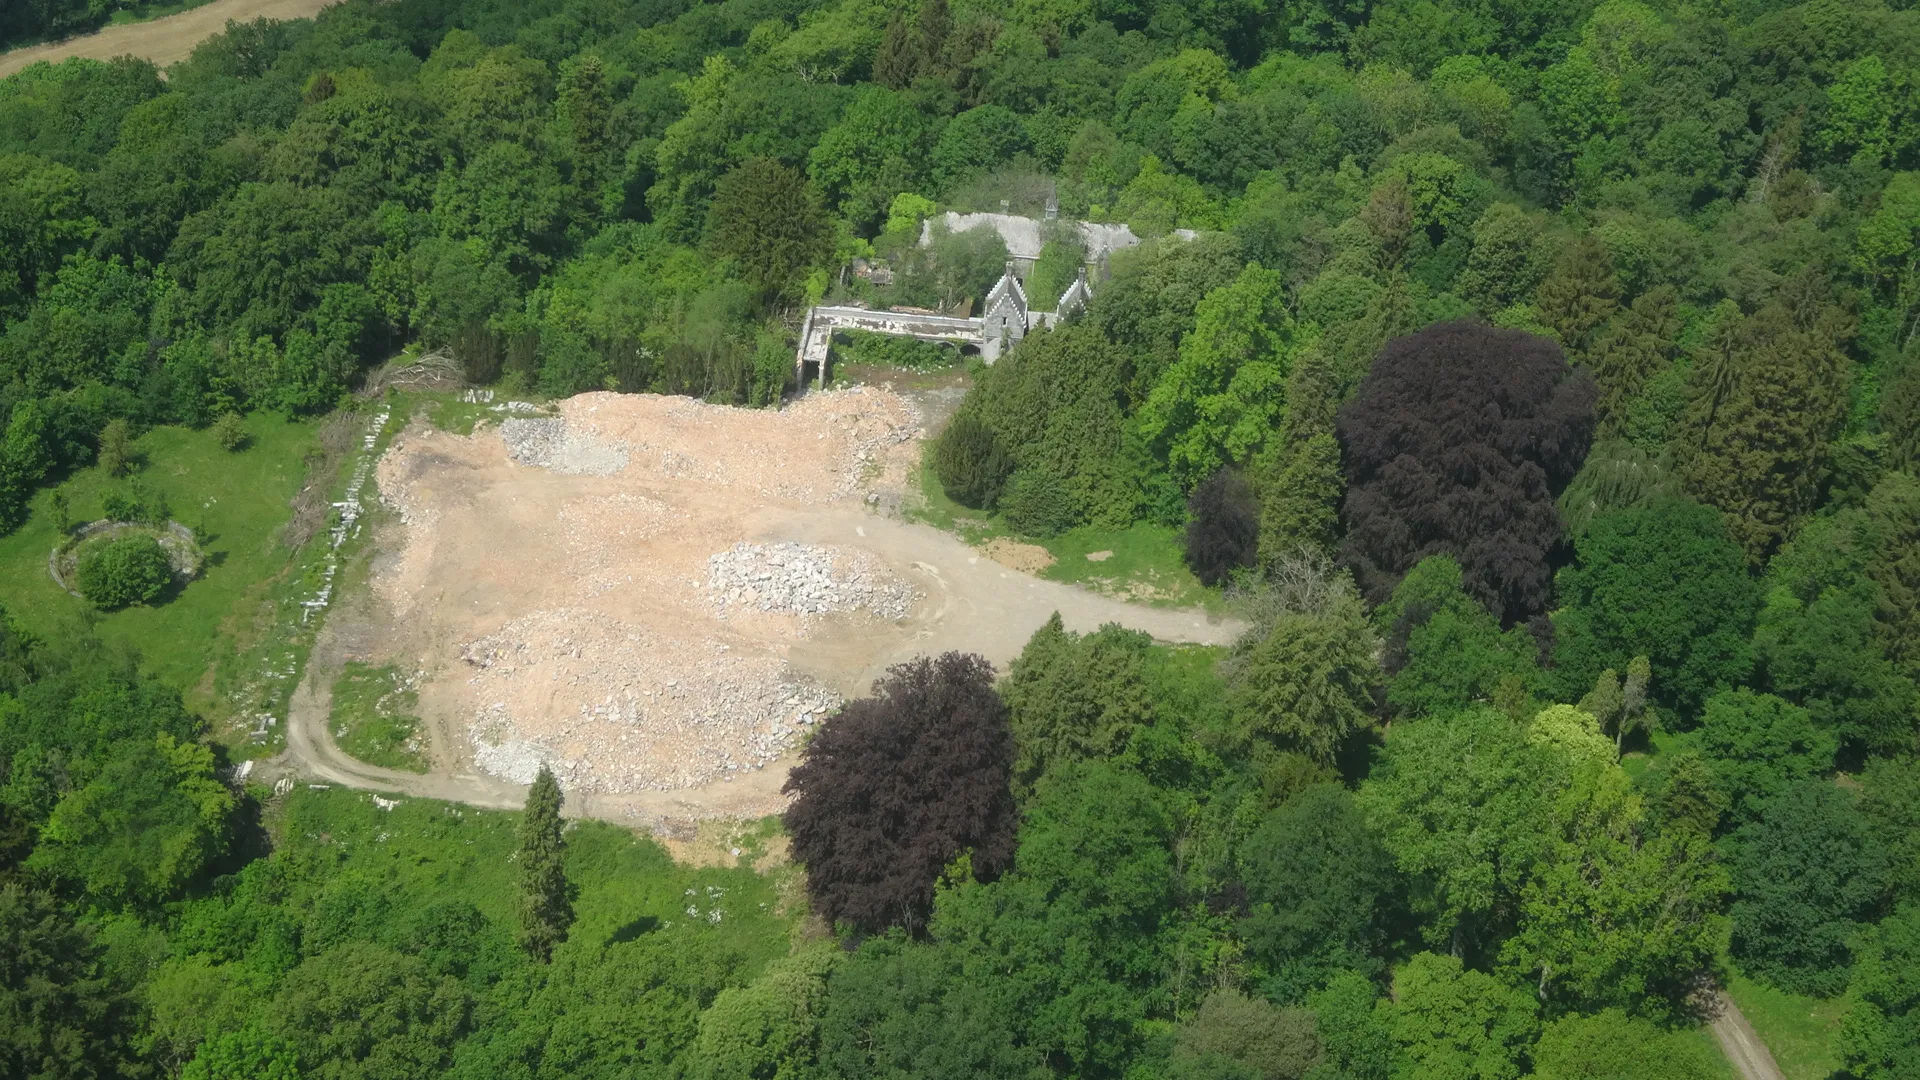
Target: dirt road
(1742,1044)
(973,605)
(163,41)
(560,609)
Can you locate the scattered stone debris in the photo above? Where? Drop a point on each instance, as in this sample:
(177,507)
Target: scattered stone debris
(1099,556)
(801,580)
(663,714)
(549,443)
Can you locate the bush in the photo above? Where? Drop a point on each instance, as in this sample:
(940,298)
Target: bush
(137,507)
(1037,503)
(1223,526)
(125,570)
(230,433)
(970,464)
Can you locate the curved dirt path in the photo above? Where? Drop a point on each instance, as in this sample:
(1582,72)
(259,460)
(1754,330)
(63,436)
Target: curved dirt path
(1741,1043)
(972,605)
(163,41)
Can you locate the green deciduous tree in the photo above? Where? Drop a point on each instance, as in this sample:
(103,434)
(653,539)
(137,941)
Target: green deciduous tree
(1453,1022)
(1756,746)
(1615,915)
(545,903)
(1443,650)
(1321,891)
(768,1029)
(1807,871)
(1458,801)
(361,1012)
(129,569)
(1234,1035)
(1879,1037)
(1611,1045)
(1217,404)
(1661,582)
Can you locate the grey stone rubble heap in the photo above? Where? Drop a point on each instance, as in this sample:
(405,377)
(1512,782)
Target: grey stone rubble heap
(797,579)
(675,714)
(548,442)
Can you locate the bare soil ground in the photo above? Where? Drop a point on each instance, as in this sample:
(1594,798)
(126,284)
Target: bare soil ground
(573,613)
(163,41)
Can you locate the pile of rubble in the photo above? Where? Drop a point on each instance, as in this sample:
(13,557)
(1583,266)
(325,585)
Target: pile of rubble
(548,442)
(797,579)
(612,707)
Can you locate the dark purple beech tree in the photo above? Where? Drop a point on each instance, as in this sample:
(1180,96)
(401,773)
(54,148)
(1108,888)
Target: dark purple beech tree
(1457,443)
(898,785)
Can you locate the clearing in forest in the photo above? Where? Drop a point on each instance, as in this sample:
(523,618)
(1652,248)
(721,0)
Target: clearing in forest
(658,598)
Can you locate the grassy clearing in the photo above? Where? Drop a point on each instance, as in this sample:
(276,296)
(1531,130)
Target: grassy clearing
(374,717)
(425,851)
(1798,1030)
(238,501)
(1146,564)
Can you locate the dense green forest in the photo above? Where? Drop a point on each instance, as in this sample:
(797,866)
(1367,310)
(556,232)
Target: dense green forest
(1541,385)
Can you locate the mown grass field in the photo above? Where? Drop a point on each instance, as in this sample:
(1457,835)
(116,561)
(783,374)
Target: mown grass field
(238,501)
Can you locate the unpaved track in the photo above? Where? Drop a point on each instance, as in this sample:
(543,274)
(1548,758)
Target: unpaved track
(1742,1044)
(972,605)
(163,41)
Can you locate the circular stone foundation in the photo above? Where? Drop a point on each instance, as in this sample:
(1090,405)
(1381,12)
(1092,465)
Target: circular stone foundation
(183,551)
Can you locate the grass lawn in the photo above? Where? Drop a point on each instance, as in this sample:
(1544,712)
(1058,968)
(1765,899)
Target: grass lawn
(239,501)
(1146,562)
(1798,1030)
(373,717)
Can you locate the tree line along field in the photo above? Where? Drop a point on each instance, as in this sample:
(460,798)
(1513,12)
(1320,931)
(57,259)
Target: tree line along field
(1539,385)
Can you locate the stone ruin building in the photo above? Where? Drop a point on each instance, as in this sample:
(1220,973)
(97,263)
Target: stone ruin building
(1005,315)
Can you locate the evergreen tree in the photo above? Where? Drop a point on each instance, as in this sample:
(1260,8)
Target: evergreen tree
(1763,417)
(1298,474)
(897,61)
(1637,343)
(546,908)
(1579,296)
(766,217)
(585,107)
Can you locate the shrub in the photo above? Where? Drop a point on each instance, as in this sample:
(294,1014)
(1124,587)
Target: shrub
(1223,526)
(1036,502)
(138,506)
(125,570)
(116,448)
(230,433)
(970,464)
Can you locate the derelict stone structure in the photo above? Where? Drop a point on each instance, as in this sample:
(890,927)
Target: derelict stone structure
(1004,319)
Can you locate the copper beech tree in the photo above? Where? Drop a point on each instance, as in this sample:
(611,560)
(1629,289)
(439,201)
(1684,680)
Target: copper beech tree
(898,785)
(1457,443)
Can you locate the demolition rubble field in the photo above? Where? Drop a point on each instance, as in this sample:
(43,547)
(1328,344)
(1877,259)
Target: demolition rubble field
(613,590)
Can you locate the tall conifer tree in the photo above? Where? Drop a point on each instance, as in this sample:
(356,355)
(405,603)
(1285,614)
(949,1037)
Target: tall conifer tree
(546,910)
